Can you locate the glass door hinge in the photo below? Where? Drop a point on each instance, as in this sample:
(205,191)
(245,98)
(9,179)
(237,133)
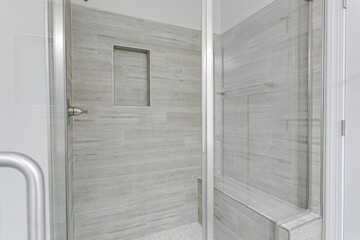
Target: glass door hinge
(343,127)
(345,4)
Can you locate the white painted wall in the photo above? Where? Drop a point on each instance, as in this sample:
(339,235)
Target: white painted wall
(184,13)
(235,11)
(23,105)
(352,139)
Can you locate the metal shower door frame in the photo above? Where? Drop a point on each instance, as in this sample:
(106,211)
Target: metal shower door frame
(207,121)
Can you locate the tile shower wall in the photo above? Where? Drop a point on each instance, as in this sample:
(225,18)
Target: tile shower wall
(136,168)
(236,221)
(262,95)
(317,108)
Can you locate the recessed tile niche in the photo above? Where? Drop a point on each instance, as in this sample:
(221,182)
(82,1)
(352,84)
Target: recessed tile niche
(131,68)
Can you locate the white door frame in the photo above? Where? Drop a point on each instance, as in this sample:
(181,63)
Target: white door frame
(334,96)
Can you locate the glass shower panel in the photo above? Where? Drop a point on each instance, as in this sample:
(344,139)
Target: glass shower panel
(24,107)
(261,118)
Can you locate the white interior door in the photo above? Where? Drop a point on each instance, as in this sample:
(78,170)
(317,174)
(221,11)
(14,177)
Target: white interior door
(352,141)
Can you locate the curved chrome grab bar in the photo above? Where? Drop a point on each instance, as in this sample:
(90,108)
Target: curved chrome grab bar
(35,191)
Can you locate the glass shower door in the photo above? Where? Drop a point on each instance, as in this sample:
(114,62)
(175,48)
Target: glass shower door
(24,106)
(261,138)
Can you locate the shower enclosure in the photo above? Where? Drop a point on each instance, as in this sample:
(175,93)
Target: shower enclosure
(263,112)
(134,160)
(263,122)
(190,120)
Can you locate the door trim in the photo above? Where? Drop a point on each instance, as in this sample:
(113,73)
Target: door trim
(334,98)
(207,121)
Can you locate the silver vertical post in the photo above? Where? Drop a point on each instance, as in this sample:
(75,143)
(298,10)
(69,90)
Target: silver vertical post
(208,120)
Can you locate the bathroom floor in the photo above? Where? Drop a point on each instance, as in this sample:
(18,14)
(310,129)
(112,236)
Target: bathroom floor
(188,232)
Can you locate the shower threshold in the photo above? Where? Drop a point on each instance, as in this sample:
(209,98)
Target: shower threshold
(188,232)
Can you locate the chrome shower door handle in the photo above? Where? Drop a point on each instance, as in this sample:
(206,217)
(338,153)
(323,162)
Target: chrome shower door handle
(76,111)
(35,191)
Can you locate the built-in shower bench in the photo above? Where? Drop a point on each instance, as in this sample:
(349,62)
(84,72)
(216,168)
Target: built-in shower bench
(243,212)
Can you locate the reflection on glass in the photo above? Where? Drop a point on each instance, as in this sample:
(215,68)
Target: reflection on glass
(261,118)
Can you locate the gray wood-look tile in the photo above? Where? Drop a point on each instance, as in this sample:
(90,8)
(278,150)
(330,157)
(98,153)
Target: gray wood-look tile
(316,200)
(136,168)
(235,221)
(70,125)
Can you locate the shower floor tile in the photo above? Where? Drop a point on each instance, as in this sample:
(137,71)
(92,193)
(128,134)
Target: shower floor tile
(188,232)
